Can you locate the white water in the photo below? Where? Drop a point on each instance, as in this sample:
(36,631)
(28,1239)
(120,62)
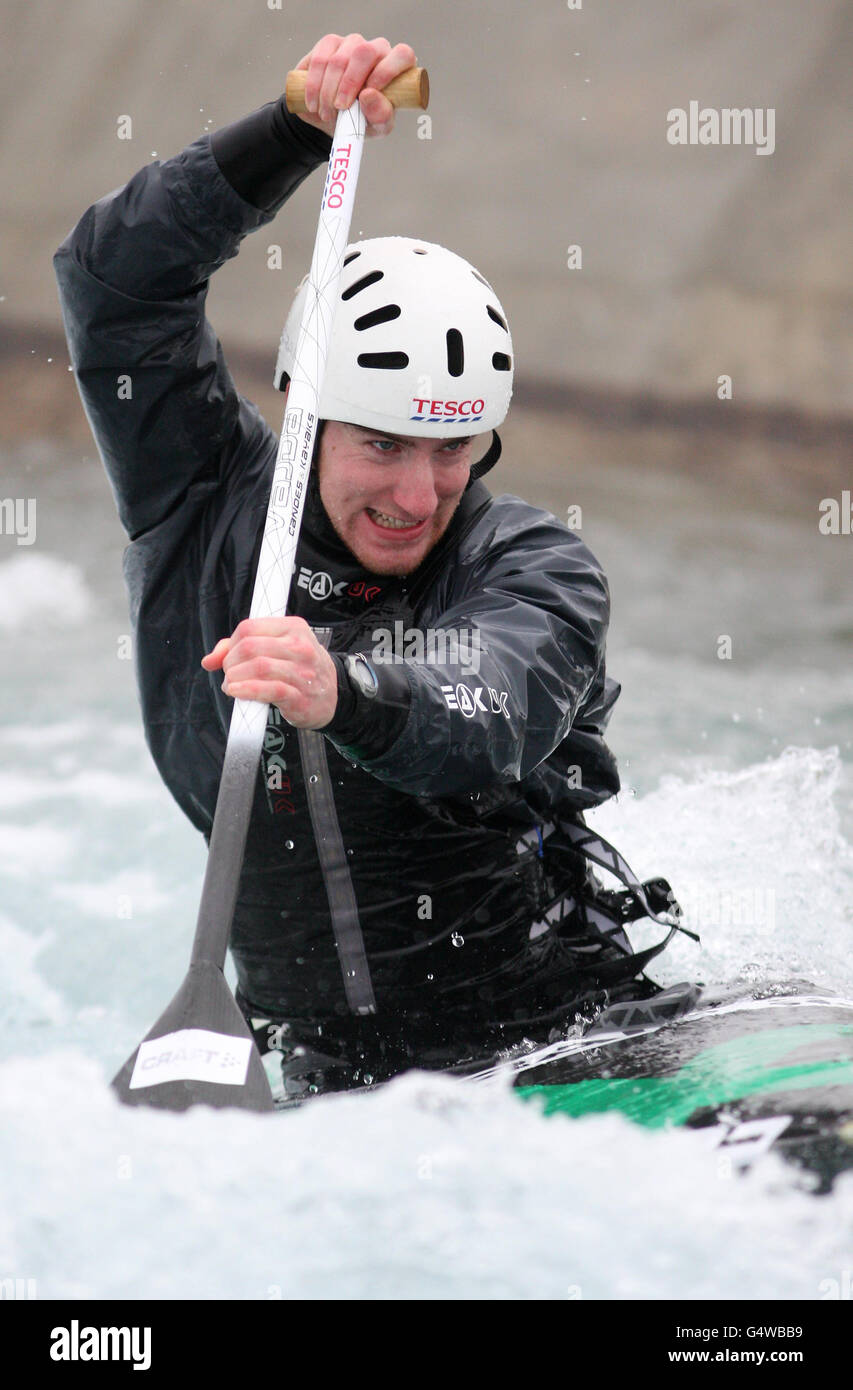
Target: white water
(429,1188)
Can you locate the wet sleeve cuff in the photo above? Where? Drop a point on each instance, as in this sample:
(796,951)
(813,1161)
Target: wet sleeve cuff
(366,726)
(266,155)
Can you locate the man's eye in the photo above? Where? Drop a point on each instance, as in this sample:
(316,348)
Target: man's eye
(456,446)
(385,446)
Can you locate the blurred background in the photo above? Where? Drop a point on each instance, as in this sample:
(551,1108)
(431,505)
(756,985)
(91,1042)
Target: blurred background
(548,129)
(732,629)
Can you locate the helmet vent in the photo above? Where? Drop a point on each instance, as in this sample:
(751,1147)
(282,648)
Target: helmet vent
(391,361)
(496,317)
(418,251)
(377,316)
(455,352)
(483,281)
(501,362)
(351,257)
(363,283)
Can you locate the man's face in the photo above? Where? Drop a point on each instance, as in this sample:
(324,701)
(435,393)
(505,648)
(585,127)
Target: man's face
(390,497)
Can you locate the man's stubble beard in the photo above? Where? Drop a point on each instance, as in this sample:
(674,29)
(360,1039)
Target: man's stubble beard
(392,572)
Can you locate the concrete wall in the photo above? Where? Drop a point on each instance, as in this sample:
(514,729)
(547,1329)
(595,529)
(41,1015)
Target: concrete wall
(548,128)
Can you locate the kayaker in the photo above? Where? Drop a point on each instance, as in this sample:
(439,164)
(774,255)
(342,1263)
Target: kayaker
(437,692)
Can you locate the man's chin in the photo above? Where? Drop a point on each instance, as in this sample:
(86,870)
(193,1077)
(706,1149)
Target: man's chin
(391,556)
(389,564)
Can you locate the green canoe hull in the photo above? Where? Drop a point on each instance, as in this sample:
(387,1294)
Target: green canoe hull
(759,1072)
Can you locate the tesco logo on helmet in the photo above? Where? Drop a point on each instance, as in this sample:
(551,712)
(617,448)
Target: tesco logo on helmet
(433,411)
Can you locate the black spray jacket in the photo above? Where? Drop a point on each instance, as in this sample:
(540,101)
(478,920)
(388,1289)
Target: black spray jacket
(432,825)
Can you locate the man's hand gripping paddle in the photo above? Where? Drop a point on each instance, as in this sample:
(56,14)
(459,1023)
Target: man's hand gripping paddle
(200,1050)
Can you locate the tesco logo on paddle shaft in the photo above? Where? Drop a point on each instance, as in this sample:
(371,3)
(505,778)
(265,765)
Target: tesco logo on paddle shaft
(336,177)
(434,411)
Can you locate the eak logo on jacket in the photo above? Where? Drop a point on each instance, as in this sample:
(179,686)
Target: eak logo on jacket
(321,586)
(468,701)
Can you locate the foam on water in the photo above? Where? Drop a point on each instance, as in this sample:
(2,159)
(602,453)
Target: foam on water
(45,589)
(426,1189)
(430,1187)
(27,849)
(26,1000)
(759,864)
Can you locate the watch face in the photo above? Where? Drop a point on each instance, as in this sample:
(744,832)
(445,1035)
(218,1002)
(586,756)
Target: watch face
(362,675)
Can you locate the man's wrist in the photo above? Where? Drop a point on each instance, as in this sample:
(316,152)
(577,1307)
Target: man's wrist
(372,708)
(289,127)
(267,154)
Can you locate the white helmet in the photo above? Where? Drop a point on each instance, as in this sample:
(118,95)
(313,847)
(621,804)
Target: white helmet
(419,344)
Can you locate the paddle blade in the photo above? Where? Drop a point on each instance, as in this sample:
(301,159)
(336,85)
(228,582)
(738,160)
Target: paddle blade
(199,1052)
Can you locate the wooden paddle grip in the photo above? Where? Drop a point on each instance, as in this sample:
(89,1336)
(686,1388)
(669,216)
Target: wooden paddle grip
(409,91)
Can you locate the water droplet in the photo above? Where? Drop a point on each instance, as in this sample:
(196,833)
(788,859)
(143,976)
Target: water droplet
(313,777)
(350,853)
(457,939)
(430,977)
(367,1079)
(288,844)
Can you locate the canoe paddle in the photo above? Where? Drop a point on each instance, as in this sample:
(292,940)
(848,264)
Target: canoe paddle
(200,1051)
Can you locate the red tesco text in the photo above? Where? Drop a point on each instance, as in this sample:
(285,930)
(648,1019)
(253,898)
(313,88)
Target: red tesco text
(338,170)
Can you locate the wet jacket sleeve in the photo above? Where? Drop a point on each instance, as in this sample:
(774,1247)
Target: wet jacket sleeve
(530,614)
(133,278)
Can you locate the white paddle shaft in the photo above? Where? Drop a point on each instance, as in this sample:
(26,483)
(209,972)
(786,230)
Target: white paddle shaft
(296,445)
(281,533)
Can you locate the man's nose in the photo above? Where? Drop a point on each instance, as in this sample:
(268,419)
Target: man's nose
(414,487)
